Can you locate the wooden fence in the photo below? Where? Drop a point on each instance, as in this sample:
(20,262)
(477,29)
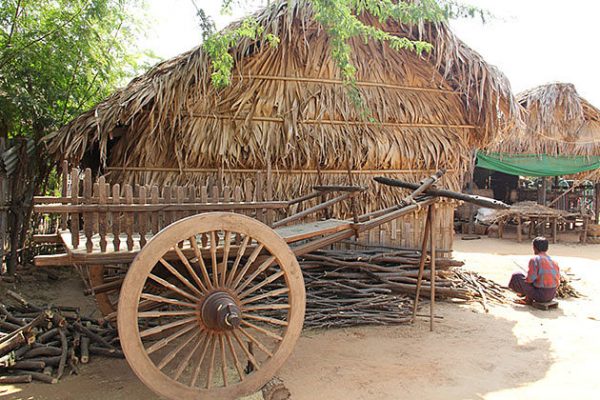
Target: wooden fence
(80,190)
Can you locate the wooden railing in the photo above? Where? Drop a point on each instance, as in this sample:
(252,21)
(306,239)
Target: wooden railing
(96,216)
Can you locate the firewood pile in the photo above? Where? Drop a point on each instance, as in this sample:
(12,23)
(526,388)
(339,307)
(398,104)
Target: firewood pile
(46,343)
(565,289)
(357,287)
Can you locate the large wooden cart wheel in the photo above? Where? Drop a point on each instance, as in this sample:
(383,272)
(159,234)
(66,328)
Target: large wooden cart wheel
(230,314)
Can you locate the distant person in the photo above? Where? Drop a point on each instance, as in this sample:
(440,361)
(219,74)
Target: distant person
(543,276)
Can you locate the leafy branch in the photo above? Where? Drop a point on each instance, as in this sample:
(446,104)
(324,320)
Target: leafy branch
(341,21)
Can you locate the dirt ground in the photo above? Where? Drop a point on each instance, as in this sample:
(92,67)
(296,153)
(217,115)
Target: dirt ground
(512,352)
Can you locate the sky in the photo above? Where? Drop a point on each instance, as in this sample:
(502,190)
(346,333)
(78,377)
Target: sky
(532,41)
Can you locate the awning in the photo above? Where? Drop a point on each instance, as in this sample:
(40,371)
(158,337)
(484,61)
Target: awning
(537,165)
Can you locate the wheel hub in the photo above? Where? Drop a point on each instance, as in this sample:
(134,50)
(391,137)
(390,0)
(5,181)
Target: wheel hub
(220,312)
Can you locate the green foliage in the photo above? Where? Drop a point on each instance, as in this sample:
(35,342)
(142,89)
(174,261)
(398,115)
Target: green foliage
(340,20)
(218,45)
(60,57)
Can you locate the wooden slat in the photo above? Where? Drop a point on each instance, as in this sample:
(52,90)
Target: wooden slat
(95,199)
(237,198)
(258,195)
(295,233)
(142,217)
(166,195)
(116,218)
(180,196)
(155,216)
(102,217)
(129,217)
(191,198)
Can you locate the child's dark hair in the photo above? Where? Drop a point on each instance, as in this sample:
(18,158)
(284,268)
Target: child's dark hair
(540,243)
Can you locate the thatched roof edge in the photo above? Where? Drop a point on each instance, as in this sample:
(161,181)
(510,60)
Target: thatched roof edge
(163,90)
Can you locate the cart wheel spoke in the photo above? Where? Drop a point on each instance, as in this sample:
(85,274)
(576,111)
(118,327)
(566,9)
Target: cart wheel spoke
(223,359)
(185,362)
(200,261)
(238,258)
(225,260)
(226,314)
(190,269)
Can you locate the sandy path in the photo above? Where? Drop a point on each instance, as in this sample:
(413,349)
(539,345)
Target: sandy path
(512,352)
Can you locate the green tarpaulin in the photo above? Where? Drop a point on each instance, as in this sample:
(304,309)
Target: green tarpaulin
(537,165)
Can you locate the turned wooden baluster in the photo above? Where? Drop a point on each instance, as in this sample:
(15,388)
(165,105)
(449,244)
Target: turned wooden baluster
(129,217)
(142,217)
(102,216)
(116,218)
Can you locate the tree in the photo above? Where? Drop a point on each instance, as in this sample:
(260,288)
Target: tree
(57,59)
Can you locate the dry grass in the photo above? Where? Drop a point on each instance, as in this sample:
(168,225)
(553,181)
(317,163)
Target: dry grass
(558,121)
(287,108)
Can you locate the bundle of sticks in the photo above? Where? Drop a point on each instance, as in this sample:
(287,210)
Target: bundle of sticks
(355,287)
(43,343)
(565,289)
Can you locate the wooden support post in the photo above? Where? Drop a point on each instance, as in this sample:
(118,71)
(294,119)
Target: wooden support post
(584,231)
(432,244)
(542,192)
(554,229)
(422,262)
(75,201)
(64,192)
(519,229)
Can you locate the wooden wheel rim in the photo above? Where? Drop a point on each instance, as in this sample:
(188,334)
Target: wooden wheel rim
(127,316)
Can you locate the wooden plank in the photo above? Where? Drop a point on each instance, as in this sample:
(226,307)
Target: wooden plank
(192,193)
(142,217)
(295,233)
(51,238)
(258,194)
(95,195)
(102,217)
(269,194)
(52,260)
(155,216)
(237,198)
(167,215)
(129,217)
(116,218)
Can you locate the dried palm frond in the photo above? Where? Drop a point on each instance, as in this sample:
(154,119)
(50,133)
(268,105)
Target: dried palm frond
(287,109)
(558,122)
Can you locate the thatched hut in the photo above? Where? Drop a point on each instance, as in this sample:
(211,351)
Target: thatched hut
(561,137)
(558,121)
(287,112)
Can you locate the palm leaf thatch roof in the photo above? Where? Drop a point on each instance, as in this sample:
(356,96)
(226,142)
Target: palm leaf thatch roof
(558,121)
(287,109)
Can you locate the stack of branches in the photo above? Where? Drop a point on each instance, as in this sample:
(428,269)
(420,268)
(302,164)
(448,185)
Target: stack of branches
(565,290)
(356,287)
(42,344)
